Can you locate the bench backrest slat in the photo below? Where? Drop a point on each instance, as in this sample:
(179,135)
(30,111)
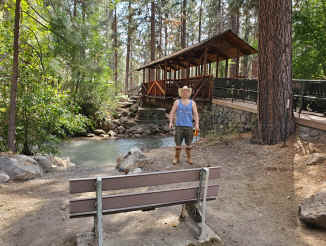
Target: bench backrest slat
(138,201)
(141,180)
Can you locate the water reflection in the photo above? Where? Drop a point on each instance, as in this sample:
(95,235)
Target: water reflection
(91,152)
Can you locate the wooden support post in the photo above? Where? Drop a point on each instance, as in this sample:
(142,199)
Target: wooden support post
(226,68)
(205,62)
(149,75)
(188,72)
(217,63)
(143,75)
(237,63)
(209,68)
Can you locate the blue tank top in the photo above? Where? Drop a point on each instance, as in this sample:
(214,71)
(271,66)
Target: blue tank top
(184,114)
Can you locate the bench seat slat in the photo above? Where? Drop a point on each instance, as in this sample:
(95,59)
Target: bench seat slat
(137,201)
(130,209)
(141,180)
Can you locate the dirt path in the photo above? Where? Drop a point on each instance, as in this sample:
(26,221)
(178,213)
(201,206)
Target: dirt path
(256,206)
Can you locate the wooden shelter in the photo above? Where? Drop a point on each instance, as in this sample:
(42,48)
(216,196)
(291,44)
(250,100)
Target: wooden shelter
(192,66)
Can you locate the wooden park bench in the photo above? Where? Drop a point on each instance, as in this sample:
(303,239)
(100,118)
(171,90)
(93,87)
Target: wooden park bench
(196,190)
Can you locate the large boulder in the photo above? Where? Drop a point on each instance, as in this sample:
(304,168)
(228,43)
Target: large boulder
(4,178)
(312,211)
(135,158)
(20,167)
(44,162)
(99,132)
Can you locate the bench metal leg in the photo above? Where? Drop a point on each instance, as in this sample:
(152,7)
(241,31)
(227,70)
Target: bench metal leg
(99,216)
(202,203)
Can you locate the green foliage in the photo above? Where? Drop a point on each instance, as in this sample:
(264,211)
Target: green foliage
(64,73)
(309,50)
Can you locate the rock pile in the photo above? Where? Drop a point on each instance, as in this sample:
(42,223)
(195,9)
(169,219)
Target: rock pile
(22,167)
(127,123)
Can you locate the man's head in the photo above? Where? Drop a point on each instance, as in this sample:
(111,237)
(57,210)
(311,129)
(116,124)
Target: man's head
(184,92)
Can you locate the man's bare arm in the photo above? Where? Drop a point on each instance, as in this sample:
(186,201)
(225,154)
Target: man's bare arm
(196,116)
(172,113)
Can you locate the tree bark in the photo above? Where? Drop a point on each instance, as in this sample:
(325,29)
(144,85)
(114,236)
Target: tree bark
(219,17)
(166,35)
(275,116)
(200,17)
(153,38)
(128,47)
(234,68)
(245,59)
(14,79)
(115,45)
(184,24)
(254,64)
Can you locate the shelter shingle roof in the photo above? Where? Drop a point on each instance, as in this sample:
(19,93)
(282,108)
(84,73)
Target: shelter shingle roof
(222,46)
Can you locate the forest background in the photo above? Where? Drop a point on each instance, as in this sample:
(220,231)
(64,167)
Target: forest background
(78,57)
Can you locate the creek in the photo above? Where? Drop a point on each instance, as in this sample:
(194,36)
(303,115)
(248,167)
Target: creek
(93,152)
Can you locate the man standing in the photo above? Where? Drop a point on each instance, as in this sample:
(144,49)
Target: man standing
(185,111)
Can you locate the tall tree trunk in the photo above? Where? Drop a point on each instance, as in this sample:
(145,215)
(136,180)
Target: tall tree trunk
(14,79)
(254,64)
(219,17)
(159,48)
(153,38)
(275,116)
(166,35)
(115,45)
(245,59)
(184,24)
(200,19)
(128,47)
(234,68)
(131,79)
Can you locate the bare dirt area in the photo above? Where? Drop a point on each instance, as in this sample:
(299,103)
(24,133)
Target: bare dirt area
(260,188)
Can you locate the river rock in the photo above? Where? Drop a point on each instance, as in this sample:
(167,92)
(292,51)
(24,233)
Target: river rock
(133,159)
(136,130)
(62,164)
(123,120)
(130,123)
(4,178)
(90,135)
(136,171)
(112,133)
(20,167)
(312,211)
(99,132)
(315,158)
(133,108)
(121,129)
(125,104)
(106,125)
(44,162)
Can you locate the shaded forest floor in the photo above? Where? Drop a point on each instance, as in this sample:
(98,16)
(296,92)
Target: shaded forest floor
(261,187)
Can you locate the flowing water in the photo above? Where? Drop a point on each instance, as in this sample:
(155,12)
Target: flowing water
(91,152)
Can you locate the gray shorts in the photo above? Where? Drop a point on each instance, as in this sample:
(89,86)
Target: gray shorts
(183,132)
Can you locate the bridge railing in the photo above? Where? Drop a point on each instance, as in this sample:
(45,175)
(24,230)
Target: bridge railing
(309,95)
